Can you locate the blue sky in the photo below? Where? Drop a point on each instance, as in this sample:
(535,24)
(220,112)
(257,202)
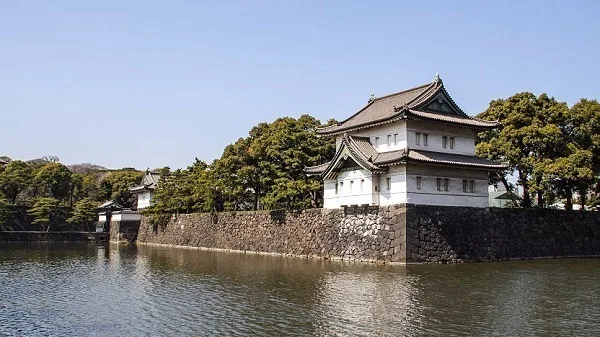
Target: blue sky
(151,84)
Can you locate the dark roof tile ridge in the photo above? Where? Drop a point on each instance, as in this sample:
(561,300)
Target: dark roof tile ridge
(404,91)
(377,99)
(435,85)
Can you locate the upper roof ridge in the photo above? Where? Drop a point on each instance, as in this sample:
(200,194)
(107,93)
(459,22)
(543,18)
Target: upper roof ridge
(404,91)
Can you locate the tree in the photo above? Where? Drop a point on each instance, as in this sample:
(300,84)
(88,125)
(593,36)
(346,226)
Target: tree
(265,169)
(86,186)
(84,214)
(183,191)
(15,178)
(117,184)
(55,178)
(4,211)
(531,135)
(584,128)
(43,211)
(284,151)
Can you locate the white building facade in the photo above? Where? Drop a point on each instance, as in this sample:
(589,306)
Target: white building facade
(145,191)
(412,147)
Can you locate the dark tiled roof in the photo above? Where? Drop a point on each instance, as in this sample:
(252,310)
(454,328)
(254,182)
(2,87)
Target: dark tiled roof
(402,105)
(453,159)
(387,158)
(149,182)
(359,148)
(453,119)
(314,170)
(365,155)
(110,204)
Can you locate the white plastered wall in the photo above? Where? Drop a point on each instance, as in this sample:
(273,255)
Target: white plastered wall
(395,132)
(396,194)
(125,217)
(464,139)
(144,199)
(354,188)
(455,196)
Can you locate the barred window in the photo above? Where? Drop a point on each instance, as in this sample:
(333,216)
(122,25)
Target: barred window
(419,183)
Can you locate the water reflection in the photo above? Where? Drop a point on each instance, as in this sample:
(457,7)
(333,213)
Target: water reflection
(74,290)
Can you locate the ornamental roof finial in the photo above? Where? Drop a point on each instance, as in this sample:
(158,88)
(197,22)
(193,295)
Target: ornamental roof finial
(372,97)
(437,76)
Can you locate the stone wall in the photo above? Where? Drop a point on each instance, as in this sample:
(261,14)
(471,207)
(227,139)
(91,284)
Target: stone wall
(124,231)
(398,233)
(360,234)
(440,234)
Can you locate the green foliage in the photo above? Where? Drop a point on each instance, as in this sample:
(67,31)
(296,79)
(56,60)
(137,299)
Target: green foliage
(15,178)
(4,211)
(117,184)
(84,214)
(263,170)
(42,211)
(56,179)
(554,150)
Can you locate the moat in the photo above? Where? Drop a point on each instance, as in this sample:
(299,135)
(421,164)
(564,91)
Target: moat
(89,289)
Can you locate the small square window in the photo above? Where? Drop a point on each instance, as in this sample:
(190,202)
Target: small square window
(388,182)
(446,185)
(419,183)
(444,142)
(425,136)
(451,143)
(472,186)
(439,184)
(418,138)
(465,186)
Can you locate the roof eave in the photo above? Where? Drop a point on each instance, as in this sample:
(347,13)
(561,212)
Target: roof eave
(461,165)
(394,118)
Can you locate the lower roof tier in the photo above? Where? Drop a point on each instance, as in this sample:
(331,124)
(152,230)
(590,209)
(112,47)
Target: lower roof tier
(361,152)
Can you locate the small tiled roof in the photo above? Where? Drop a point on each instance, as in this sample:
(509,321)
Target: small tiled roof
(406,104)
(110,204)
(318,169)
(453,159)
(149,182)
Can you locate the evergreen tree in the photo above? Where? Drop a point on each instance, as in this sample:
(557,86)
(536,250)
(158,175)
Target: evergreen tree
(42,212)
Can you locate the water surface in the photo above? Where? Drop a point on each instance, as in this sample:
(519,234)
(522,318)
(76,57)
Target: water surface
(85,289)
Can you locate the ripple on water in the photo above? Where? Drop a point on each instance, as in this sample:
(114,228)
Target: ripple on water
(101,291)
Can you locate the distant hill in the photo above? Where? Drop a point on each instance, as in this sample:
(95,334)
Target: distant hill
(85,168)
